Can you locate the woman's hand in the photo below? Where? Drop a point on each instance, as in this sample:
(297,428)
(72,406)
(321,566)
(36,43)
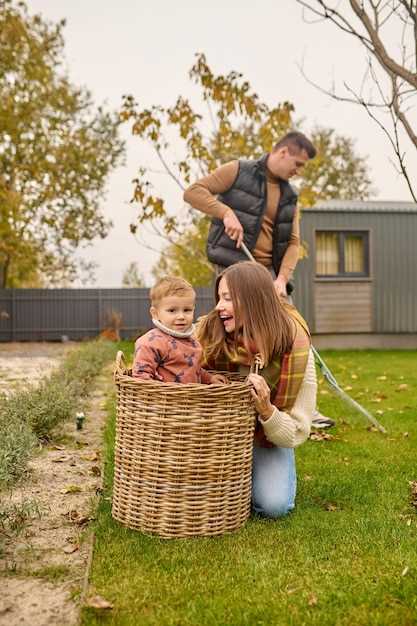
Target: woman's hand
(261,396)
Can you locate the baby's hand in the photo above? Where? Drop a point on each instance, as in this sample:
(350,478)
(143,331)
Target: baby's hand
(218,379)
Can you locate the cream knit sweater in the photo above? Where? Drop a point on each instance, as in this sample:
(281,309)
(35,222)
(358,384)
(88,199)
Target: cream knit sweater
(288,430)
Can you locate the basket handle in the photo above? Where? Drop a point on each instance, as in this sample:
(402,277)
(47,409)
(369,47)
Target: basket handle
(121,365)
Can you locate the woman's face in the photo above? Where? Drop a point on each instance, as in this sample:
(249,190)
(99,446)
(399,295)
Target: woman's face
(225,307)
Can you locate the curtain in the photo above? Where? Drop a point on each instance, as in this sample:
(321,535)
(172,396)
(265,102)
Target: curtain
(327,254)
(354,254)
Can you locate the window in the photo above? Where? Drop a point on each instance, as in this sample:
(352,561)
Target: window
(342,253)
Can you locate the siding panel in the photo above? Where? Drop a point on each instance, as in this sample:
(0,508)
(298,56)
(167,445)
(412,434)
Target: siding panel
(343,307)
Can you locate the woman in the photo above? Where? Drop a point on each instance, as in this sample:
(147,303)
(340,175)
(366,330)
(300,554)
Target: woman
(249,320)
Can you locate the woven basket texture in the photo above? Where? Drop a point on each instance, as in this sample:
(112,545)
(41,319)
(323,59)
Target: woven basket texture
(183,456)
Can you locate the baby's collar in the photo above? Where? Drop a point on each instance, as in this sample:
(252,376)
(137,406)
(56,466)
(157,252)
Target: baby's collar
(174,333)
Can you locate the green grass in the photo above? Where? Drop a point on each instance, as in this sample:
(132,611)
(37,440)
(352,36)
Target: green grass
(338,559)
(52,573)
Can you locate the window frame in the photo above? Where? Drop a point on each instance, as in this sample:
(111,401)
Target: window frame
(342,233)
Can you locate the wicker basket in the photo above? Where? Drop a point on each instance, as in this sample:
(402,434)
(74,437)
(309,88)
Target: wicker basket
(183,456)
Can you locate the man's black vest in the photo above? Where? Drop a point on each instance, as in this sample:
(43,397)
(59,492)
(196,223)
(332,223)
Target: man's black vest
(247,198)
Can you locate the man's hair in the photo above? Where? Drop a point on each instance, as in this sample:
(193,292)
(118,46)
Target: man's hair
(170,286)
(295,142)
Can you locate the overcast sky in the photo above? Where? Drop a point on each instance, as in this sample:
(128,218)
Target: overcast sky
(146,49)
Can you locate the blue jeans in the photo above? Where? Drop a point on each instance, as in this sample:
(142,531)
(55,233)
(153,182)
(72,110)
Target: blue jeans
(274,481)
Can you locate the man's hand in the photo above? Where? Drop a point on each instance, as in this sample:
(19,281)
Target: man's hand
(233,227)
(280,285)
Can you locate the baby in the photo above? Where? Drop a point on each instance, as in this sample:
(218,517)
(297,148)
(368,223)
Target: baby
(169,352)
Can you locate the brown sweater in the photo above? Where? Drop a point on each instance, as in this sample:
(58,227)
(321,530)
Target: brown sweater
(202,196)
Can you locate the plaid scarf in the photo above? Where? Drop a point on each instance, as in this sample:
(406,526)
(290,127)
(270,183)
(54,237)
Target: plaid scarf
(284,374)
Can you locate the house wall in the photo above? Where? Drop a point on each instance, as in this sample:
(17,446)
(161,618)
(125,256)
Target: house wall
(386,302)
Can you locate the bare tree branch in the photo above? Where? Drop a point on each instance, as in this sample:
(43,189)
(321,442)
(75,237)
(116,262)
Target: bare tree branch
(379,49)
(338,19)
(373,15)
(168,170)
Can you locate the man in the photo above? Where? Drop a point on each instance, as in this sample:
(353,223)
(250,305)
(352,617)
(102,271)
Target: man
(252,201)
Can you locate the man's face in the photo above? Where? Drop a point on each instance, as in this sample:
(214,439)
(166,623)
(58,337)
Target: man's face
(287,162)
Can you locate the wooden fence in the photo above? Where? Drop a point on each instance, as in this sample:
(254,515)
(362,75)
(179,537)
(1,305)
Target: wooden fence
(76,314)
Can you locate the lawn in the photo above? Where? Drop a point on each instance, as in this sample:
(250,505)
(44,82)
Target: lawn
(347,555)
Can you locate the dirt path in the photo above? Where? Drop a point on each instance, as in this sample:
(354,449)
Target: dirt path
(43,568)
(21,363)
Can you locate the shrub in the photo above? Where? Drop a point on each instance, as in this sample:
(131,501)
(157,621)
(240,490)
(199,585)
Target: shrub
(36,411)
(16,444)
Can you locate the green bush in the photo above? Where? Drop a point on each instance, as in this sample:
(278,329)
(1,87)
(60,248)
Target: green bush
(36,411)
(81,366)
(42,407)
(16,444)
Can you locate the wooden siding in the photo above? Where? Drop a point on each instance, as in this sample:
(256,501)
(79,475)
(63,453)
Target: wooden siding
(342,307)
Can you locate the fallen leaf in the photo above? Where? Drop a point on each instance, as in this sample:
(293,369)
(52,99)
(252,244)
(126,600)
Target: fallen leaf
(93,456)
(320,436)
(60,459)
(405,434)
(324,392)
(98,602)
(402,387)
(312,599)
(71,548)
(307,477)
(405,571)
(71,489)
(376,399)
(348,388)
(372,429)
(354,376)
(381,378)
(413,485)
(72,514)
(379,412)
(330,507)
(80,443)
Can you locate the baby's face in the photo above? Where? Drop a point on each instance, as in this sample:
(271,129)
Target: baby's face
(175,312)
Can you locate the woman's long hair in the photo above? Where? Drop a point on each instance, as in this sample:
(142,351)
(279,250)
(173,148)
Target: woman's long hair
(261,323)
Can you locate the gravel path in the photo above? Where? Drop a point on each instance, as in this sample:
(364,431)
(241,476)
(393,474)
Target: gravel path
(23,363)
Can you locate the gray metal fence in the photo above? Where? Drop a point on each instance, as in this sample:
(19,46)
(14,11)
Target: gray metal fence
(50,314)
